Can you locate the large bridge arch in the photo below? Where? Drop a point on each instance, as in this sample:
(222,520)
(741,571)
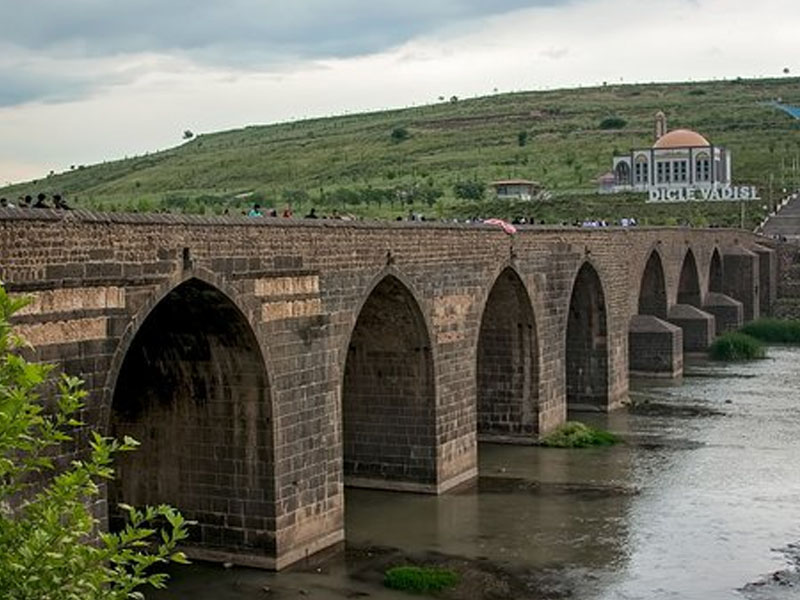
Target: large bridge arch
(715,279)
(586,346)
(507,357)
(653,288)
(192,386)
(689,282)
(389,392)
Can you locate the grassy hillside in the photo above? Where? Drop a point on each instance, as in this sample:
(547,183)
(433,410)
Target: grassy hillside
(382,164)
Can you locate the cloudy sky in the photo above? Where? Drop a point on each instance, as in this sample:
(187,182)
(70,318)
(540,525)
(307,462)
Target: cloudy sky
(86,80)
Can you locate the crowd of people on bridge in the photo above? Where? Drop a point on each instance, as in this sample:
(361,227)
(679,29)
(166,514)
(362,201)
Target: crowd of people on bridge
(57,201)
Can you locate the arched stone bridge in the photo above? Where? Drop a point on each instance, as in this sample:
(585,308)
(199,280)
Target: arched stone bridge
(265,364)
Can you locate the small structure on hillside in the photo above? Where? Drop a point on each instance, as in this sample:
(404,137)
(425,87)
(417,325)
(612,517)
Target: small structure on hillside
(516,189)
(678,159)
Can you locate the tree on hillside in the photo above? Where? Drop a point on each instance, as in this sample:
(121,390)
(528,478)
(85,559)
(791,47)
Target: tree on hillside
(49,545)
(469,189)
(399,134)
(188,134)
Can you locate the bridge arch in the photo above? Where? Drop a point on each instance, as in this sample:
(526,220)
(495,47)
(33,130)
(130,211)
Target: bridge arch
(389,391)
(653,288)
(715,273)
(587,342)
(689,281)
(507,374)
(192,386)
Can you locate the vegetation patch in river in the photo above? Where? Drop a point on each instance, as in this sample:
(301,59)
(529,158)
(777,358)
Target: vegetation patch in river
(573,434)
(420,580)
(479,578)
(734,346)
(774,331)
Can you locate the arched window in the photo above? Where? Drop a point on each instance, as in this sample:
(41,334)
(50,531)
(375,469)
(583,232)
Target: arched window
(641,171)
(623,174)
(703,167)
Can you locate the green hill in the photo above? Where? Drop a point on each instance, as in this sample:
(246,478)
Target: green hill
(384,163)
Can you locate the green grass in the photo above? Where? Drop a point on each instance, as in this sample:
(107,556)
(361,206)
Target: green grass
(353,164)
(420,580)
(774,331)
(573,434)
(735,346)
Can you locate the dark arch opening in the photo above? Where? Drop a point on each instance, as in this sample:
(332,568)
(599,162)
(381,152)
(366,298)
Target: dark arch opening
(715,273)
(388,393)
(653,290)
(587,347)
(193,389)
(689,283)
(508,382)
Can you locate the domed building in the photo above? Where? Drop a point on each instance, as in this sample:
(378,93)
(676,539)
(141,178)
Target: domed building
(678,159)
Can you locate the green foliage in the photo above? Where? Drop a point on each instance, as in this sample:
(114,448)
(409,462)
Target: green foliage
(573,434)
(420,580)
(697,92)
(733,346)
(470,189)
(400,134)
(613,123)
(49,545)
(774,331)
(475,138)
(522,138)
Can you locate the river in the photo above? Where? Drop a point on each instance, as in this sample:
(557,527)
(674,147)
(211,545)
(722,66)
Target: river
(702,501)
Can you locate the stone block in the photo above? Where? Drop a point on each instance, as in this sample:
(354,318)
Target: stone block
(728,313)
(655,347)
(698,326)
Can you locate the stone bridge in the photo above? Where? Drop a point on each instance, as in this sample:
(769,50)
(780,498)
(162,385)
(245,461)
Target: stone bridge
(266,364)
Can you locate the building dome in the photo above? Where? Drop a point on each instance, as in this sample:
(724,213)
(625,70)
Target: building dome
(681,138)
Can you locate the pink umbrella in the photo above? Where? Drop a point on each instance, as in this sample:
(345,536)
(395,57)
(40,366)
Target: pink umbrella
(507,227)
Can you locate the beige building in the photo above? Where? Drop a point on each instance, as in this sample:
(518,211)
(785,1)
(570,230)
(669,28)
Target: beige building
(517,189)
(678,159)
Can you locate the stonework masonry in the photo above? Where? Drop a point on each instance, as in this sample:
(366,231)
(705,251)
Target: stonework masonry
(266,363)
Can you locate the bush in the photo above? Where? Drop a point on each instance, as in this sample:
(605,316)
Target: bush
(49,545)
(420,580)
(573,434)
(774,331)
(400,134)
(613,123)
(470,189)
(736,346)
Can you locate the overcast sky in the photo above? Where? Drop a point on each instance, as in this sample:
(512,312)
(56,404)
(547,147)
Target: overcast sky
(86,80)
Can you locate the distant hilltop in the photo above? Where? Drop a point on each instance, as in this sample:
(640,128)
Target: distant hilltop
(562,139)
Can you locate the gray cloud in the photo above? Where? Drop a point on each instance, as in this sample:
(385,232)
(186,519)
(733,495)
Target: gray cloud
(263,30)
(245,34)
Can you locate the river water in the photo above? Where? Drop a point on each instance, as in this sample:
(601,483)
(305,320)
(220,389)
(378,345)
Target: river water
(702,500)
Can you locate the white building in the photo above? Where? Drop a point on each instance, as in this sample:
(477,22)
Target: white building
(678,159)
(516,189)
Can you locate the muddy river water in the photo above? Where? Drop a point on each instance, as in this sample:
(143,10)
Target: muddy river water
(701,502)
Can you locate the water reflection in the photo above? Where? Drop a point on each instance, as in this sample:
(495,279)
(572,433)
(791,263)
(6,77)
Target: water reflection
(691,508)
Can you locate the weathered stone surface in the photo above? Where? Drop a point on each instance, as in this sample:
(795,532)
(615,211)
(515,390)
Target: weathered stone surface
(656,347)
(265,360)
(698,326)
(728,313)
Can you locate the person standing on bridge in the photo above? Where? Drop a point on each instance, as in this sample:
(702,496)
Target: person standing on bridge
(255,211)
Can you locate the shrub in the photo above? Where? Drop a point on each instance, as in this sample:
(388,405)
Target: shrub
(573,434)
(736,346)
(522,138)
(420,580)
(613,123)
(470,189)
(775,331)
(49,545)
(697,92)
(400,134)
